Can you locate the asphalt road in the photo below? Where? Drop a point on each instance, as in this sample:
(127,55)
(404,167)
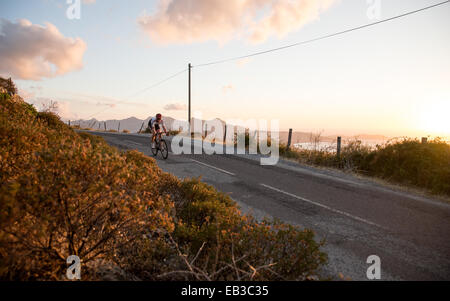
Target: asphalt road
(357,217)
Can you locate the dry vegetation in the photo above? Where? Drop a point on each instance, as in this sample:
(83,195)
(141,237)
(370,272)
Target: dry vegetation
(407,162)
(64,193)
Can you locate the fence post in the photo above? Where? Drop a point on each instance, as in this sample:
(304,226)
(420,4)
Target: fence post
(118,128)
(141,128)
(225,134)
(69,122)
(105,126)
(424,140)
(289,139)
(99,125)
(339,142)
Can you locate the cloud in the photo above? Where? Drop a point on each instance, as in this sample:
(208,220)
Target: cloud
(64,111)
(187,21)
(62,108)
(33,52)
(89,1)
(102,104)
(26,94)
(227,88)
(175,107)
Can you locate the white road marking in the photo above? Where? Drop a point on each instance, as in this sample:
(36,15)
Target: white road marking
(210,166)
(132,142)
(323,206)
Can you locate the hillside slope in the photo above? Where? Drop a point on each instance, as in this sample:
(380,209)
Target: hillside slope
(63,193)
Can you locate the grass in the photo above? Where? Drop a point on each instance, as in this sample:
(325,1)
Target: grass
(408,162)
(64,193)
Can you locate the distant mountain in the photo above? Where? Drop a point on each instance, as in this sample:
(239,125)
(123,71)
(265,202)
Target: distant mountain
(131,124)
(134,124)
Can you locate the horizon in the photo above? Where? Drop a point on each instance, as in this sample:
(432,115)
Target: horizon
(324,135)
(109,63)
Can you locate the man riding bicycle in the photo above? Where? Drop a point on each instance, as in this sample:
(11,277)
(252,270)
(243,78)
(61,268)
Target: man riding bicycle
(156,123)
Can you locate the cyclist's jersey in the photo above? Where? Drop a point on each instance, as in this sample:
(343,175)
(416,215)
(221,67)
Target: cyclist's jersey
(155,124)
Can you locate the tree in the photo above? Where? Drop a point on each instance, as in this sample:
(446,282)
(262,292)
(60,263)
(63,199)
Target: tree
(9,85)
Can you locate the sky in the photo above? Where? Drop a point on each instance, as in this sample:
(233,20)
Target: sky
(391,79)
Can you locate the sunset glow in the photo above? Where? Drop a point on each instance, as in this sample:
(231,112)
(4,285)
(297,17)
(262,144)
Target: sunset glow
(435,118)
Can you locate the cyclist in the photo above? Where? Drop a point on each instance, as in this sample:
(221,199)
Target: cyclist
(156,123)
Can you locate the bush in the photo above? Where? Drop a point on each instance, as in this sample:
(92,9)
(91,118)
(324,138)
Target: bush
(173,132)
(8,86)
(409,162)
(147,130)
(63,193)
(4,96)
(51,120)
(213,241)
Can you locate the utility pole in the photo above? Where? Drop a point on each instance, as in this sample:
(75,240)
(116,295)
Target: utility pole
(189,98)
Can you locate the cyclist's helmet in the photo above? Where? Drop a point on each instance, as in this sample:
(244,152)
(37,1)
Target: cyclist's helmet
(158,116)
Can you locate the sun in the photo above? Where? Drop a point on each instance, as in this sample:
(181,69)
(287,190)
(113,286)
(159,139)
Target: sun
(435,118)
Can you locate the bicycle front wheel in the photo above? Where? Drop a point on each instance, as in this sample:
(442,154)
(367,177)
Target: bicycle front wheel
(164,149)
(154,149)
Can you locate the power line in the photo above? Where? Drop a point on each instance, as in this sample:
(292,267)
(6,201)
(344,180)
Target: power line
(275,49)
(320,38)
(158,83)
(141,91)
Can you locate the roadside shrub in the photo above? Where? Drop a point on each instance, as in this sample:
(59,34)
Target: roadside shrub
(173,132)
(408,162)
(93,139)
(51,120)
(60,195)
(4,96)
(63,193)
(213,241)
(411,162)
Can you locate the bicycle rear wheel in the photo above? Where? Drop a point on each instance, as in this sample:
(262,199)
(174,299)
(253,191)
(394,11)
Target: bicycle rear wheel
(164,150)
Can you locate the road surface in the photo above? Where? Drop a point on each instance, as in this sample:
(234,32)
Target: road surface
(357,217)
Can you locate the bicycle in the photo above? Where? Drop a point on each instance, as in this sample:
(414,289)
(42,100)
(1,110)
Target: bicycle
(160,145)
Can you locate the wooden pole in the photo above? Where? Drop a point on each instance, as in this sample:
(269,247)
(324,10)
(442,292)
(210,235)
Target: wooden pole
(289,139)
(189,97)
(141,128)
(339,142)
(225,134)
(118,129)
(105,125)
